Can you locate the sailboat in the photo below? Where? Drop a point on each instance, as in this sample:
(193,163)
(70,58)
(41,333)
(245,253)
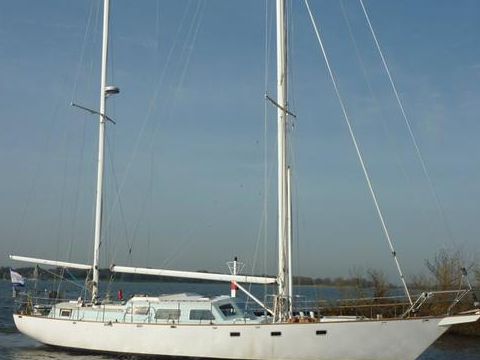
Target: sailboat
(192,325)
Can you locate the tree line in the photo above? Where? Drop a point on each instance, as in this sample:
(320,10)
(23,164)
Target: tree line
(446,270)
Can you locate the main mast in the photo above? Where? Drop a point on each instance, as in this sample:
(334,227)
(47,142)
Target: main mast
(101,152)
(283,220)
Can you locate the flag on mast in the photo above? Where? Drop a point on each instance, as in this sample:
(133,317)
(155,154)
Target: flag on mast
(17,279)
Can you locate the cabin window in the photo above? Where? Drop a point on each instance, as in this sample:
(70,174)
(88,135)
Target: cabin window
(167,314)
(65,312)
(321,332)
(234,334)
(276,333)
(228,310)
(141,310)
(201,315)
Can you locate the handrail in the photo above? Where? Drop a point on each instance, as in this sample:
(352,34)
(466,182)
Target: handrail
(440,302)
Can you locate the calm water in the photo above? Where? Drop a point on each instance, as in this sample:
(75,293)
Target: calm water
(14,345)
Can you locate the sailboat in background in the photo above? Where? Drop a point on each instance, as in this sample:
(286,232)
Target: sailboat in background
(191,325)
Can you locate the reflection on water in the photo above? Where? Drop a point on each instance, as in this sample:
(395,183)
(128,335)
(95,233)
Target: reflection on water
(19,347)
(453,347)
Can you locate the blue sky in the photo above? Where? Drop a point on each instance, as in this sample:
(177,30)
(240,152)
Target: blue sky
(187,154)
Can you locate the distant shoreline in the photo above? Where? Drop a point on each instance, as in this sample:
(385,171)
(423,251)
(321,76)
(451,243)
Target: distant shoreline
(105,274)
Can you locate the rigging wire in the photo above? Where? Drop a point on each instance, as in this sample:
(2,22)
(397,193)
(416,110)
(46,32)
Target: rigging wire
(75,202)
(292,156)
(152,155)
(107,234)
(88,27)
(150,204)
(152,104)
(91,88)
(420,157)
(267,55)
(61,218)
(55,275)
(120,207)
(32,191)
(152,174)
(369,85)
(61,211)
(186,53)
(263,226)
(60,228)
(359,154)
(376,102)
(193,32)
(79,178)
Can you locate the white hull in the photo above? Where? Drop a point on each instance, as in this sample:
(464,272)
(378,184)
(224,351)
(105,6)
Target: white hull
(353,340)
